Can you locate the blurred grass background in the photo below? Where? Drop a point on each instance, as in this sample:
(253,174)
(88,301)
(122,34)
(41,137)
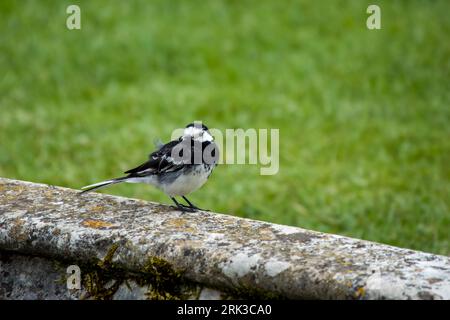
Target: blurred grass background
(363,115)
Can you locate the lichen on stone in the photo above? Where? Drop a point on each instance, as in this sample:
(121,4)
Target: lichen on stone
(172,253)
(102,279)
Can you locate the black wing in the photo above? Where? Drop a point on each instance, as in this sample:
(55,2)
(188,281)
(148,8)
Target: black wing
(159,161)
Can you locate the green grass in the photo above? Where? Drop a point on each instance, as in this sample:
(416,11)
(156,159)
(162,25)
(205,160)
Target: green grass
(363,115)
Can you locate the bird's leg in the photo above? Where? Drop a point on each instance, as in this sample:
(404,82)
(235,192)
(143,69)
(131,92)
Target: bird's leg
(182,207)
(192,205)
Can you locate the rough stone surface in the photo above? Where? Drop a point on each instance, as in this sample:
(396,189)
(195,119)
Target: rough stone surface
(24,277)
(230,254)
(30,278)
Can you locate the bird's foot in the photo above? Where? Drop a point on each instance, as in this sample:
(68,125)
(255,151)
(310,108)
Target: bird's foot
(195,208)
(191,205)
(184,208)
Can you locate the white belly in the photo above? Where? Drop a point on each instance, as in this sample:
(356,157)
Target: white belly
(187,183)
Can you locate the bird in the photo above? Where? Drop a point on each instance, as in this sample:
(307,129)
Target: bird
(177,168)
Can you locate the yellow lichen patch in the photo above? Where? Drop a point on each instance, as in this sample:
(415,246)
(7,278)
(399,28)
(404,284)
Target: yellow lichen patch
(342,261)
(17,231)
(16,188)
(360,292)
(188,244)
(97,208)
(10,197)
(228,221)
(181,224)
(48,193)
(265,234)
(177,223)
(245,224)
(97,224)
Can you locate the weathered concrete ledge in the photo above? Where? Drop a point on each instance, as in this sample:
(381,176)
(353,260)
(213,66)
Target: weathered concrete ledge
(137,249)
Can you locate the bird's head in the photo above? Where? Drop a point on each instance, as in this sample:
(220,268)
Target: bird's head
(197,131)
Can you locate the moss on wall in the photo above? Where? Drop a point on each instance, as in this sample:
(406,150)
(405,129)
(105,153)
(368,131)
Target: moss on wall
(101,280)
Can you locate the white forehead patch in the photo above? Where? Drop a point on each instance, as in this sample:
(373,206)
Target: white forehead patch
(193,131)
(197,134)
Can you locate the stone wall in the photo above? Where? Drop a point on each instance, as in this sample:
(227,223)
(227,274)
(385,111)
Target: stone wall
(133,249)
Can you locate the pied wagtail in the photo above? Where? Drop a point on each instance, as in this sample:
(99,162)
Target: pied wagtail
(177,168)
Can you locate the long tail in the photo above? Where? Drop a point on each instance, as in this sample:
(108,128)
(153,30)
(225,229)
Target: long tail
(103,184)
